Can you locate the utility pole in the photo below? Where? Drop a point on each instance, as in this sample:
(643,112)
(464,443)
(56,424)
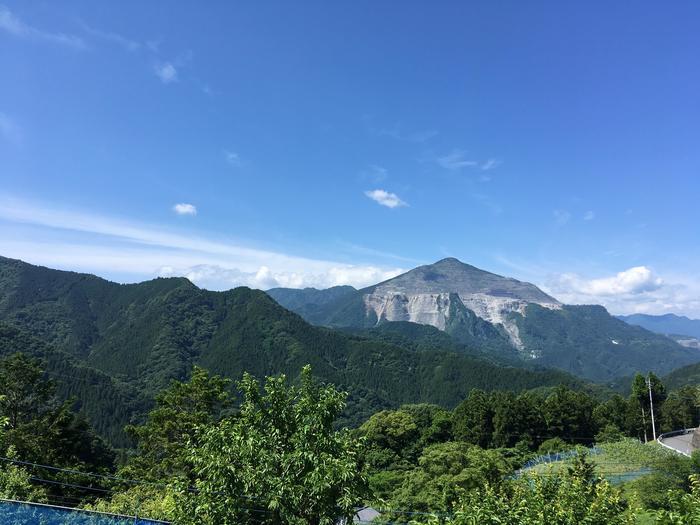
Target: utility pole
(651,406)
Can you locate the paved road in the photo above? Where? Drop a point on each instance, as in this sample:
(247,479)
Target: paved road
(679,443)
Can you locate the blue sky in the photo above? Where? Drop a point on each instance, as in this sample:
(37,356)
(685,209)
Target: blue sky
(321,143)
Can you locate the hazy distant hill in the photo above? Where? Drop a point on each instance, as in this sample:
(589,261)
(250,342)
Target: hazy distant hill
(669,324)
(114,346)
(504,317)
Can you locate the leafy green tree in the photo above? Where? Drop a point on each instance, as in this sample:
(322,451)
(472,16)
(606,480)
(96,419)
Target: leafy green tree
(15,481)
(553,445)
(395,430)
(640,396)
(609,434)
(171,427)
(279,461)
(569,415)
(619,412)
(473,419)
(684,508)
(679,410)
(41,429)
(543,500)
(446,470)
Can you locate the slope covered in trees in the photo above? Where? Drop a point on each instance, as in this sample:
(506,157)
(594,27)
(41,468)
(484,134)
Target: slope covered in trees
(115,346)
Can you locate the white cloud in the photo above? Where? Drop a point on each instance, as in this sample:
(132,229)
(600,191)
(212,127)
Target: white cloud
(15,27)
(185,209)
(214,277)
(561,217)
(117,248)
(9,129)
(456,161)
(166,72)
(385,198)
(636,280)
(636,290)
(232,158)
(589,215)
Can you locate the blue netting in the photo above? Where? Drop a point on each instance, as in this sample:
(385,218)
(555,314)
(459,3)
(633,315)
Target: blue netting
(15,513)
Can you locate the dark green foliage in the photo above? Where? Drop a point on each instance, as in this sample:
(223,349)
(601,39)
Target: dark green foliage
(172,426)
(684,376)
(680,410)
(39,428)
(579,339)
(108,403)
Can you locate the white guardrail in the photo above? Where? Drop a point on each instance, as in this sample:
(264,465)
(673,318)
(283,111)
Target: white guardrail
(675,433)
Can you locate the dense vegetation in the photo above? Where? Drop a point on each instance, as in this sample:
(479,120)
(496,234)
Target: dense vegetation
(161,371)
(115,346)
(277,456)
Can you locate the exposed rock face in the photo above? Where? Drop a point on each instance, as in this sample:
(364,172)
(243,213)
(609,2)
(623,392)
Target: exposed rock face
(426,294)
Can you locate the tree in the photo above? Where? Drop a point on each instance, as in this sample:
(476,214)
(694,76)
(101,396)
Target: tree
(39,427)
(640,396)
(26,396)
(446,470)
(679,410)
(171,426)
(569,415)
(279,461)
(473,419)
(684,508)
(543,500)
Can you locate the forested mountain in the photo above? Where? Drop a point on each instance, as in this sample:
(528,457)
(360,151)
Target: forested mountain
(684,376)
(114,346)
(669,324)
(503,317)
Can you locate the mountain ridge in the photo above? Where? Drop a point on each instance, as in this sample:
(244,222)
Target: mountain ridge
(134,339)
(511,317)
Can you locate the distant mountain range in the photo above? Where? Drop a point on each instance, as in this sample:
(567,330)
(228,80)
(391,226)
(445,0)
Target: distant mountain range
(113,346)
(669,324)
(506,318)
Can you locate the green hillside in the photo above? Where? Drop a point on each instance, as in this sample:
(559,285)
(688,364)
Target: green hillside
(133,339)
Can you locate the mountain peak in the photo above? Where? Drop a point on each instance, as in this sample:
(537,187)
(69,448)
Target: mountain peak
(451,275)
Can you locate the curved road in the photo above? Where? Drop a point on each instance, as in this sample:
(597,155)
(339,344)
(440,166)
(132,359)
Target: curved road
(678,441)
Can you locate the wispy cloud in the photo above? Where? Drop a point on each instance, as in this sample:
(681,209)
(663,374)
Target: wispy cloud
(589,215)
(185,209)
(232,158)
(12,25)
(385,198)
(166,72)
(115,38)
(9,130)
(106,245)
(456,160)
